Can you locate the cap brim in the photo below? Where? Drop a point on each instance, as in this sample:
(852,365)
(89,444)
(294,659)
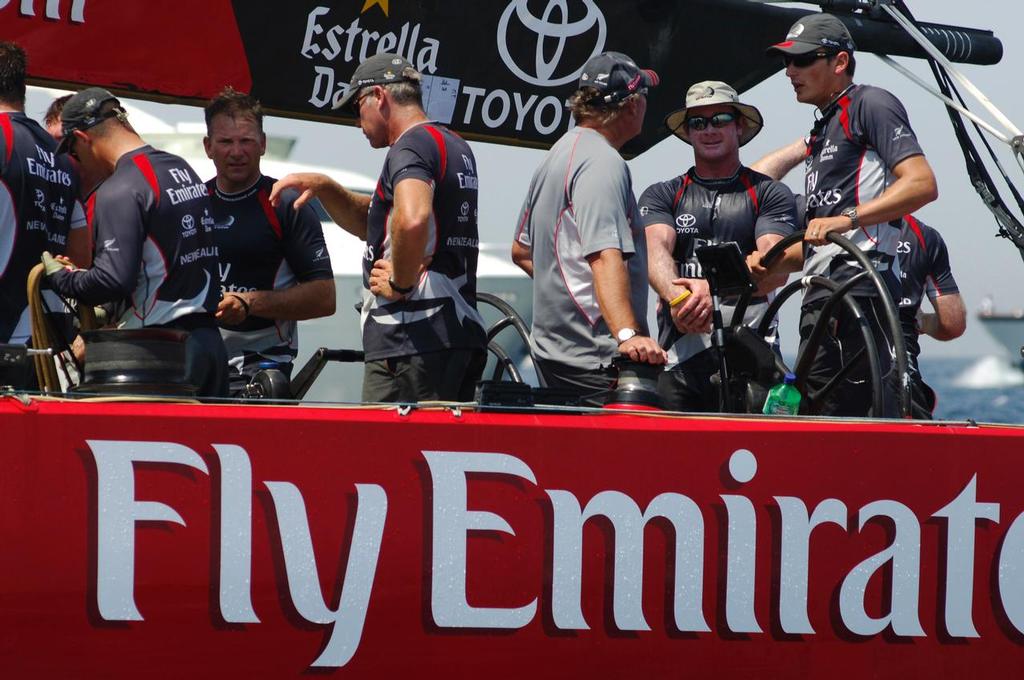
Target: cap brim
(650,78)
(791,47)
(346,101)
(65,142)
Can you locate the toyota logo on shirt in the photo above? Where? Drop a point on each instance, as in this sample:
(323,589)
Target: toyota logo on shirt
(553,29)
(686,223)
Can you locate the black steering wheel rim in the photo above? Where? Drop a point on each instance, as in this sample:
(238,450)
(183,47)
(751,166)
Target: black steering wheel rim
(888,307)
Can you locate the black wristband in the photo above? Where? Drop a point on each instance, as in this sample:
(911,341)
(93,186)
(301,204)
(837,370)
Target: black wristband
(399,289)
(245,305)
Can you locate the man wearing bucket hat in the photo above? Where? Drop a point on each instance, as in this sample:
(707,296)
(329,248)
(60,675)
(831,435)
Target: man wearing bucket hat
(864,171)
(717,200)
(422,334)
(580,237)
(154,256)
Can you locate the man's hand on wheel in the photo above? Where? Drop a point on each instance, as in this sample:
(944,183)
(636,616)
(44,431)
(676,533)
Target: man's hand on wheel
(644,349)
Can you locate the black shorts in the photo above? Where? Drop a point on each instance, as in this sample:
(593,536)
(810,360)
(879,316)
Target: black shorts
(687,386)
(591,385)
(447,375)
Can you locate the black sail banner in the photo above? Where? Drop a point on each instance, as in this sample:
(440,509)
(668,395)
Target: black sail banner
(498,70)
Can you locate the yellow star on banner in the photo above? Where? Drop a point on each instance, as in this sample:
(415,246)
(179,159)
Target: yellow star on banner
(370,3)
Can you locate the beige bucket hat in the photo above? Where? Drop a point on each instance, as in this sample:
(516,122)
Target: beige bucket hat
(708,93)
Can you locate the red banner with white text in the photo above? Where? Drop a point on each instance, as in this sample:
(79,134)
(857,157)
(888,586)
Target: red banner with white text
(209,541)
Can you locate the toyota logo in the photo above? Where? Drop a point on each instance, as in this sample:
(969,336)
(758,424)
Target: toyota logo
(188,222)
(686,220)
(554,24)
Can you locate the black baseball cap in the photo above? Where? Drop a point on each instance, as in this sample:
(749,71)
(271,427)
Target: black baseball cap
(814,32)
(616,76)
(82,112)
(380,69)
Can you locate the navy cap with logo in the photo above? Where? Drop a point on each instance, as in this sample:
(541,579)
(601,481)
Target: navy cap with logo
(380,69)
(814,32)
(616,76)
(82,112)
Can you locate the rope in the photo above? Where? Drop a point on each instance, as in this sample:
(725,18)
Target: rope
(46,368)
(42,331)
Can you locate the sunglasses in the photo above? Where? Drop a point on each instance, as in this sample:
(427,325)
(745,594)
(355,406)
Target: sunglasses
(719,120)
(362,97)
(71,145)
(805,60)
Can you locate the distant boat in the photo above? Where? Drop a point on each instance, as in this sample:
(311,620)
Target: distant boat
(1007,328)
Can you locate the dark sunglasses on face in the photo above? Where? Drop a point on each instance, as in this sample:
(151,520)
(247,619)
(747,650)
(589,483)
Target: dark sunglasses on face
(719,120)
(804,60)
(71,145)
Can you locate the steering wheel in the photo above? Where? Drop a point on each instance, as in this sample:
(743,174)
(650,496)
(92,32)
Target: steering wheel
(509,318)
(839,295)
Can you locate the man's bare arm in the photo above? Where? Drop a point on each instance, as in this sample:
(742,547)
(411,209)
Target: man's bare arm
(522,257)
(611,287)
(914,187)
(306,300)
(948,322)
(348,209)
(661,266)
(410,228)
(778,163)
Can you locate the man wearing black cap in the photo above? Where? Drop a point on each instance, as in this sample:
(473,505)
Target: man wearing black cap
(580,236)
(39,209)
(924,271)
(864,171)
(154,254)
(422,335)
(716,201)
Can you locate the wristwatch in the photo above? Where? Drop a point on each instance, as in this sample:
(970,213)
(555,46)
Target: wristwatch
(852,214)
(399,289)
(625,334)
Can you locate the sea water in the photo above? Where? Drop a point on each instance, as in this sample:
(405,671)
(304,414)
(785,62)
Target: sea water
(985,389)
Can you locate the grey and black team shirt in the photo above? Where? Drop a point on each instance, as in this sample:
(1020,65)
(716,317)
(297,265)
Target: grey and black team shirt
(852,151)
(740,208)
(38,209)
(262,247)
(154,253)
(440,313)
(924,266)
(580,202)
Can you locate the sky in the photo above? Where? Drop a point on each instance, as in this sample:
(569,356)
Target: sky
(983,265)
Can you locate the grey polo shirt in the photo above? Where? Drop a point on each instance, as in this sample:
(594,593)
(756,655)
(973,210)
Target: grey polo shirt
(580,202)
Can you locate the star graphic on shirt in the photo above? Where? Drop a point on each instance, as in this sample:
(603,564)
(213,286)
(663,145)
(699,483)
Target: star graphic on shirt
(370,3)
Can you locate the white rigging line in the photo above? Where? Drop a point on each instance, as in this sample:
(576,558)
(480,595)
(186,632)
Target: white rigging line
(1014,139)
(1001,136)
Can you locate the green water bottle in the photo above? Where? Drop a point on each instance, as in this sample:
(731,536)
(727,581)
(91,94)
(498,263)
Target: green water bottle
(783,399)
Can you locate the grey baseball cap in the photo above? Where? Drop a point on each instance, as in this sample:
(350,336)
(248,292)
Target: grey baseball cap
(380,69)
(815,32)
(709,93)
(82,111)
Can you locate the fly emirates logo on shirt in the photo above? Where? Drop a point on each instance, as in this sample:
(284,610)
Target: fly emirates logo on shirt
(187,189)
(44,166)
